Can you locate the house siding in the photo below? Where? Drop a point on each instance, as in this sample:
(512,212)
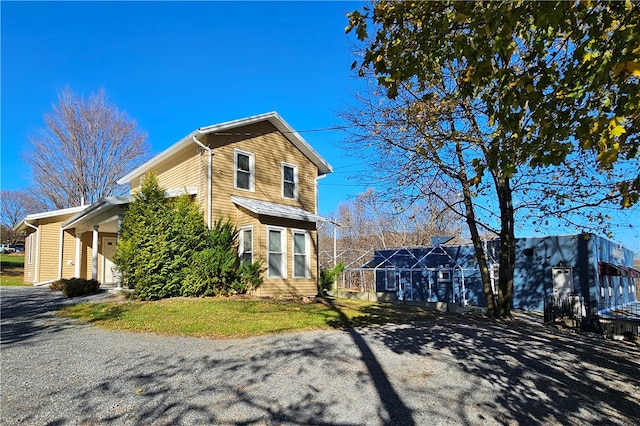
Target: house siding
(69,254)
(270,149)
(188,167)
(49,251)
(289,285)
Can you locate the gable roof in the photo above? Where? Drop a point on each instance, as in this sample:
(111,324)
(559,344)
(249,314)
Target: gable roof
(271,117)
(47,215)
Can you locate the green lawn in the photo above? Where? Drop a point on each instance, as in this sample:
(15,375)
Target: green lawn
(11,269)
(227,318)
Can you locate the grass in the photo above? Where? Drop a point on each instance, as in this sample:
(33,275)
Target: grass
(231,318)
(11,270)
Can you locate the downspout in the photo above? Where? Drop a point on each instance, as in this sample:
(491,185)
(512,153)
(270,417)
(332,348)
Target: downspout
(37,254)
(60,247)
(317,242)
(209,177)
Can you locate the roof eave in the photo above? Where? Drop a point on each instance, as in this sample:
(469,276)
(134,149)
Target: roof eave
(273,117)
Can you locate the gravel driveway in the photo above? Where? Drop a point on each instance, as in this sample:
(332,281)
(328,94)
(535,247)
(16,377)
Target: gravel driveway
(453,370)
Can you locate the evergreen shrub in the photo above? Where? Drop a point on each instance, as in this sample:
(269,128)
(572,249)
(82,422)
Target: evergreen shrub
(166,250)
(328,277)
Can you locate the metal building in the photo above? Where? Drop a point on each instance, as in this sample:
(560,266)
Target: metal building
(596,272)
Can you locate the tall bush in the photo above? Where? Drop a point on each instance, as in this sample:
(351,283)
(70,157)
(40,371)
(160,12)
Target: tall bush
(158,237)
(216,269)
(165,249)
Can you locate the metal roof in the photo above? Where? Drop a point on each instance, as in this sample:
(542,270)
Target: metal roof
(267,208)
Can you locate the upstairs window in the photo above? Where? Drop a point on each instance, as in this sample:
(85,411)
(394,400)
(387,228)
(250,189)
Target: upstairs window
(244,163)
(289,181)
(245,244)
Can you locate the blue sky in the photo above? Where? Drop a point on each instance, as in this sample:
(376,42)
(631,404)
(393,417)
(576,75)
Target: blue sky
(175,67)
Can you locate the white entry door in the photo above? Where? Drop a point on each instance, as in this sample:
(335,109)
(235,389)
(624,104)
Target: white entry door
(562,282)
(108,253)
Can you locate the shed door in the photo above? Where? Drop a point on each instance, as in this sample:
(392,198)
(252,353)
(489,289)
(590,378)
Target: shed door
(562,282)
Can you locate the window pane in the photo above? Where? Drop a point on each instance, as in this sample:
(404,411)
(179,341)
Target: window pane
(300,266)
(289,190)
(243,162)
(246,241)
(242,180)
(275,265)
(299,243)
(275,242)
(288,174)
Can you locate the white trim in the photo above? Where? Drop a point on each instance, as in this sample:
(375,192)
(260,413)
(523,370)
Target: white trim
(34,255)
(283,252)
(60,248)
(94,252)
(105,240)
(45,215)
(241,241)
(295,180)
(78,265)
(272,117)
(307,253)
(252,162)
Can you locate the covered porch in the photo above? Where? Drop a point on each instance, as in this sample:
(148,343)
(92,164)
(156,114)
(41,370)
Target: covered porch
(90,240)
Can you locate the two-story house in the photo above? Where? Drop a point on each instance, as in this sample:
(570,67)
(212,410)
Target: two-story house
(256,171)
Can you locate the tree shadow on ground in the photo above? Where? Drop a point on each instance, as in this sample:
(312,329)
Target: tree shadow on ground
(540,375)
(243,390)
(397,411)
(28,311)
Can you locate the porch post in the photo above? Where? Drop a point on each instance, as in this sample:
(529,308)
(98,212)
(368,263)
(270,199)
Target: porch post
(94,258)
(117,275)
(78,255)
(120,216)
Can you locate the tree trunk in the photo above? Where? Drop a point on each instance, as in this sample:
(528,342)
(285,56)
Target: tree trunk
(481,256)
(507,248)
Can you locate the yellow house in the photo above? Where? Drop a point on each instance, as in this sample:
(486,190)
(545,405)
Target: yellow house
(256,171)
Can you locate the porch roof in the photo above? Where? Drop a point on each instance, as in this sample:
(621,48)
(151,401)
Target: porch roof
(47,215)
(96,212)
(267,208)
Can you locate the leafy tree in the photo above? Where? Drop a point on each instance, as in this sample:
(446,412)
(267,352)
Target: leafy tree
(484,93)
(86,145)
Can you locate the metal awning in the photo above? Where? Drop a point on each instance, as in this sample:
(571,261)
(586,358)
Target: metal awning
(611,270)
(267,208)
